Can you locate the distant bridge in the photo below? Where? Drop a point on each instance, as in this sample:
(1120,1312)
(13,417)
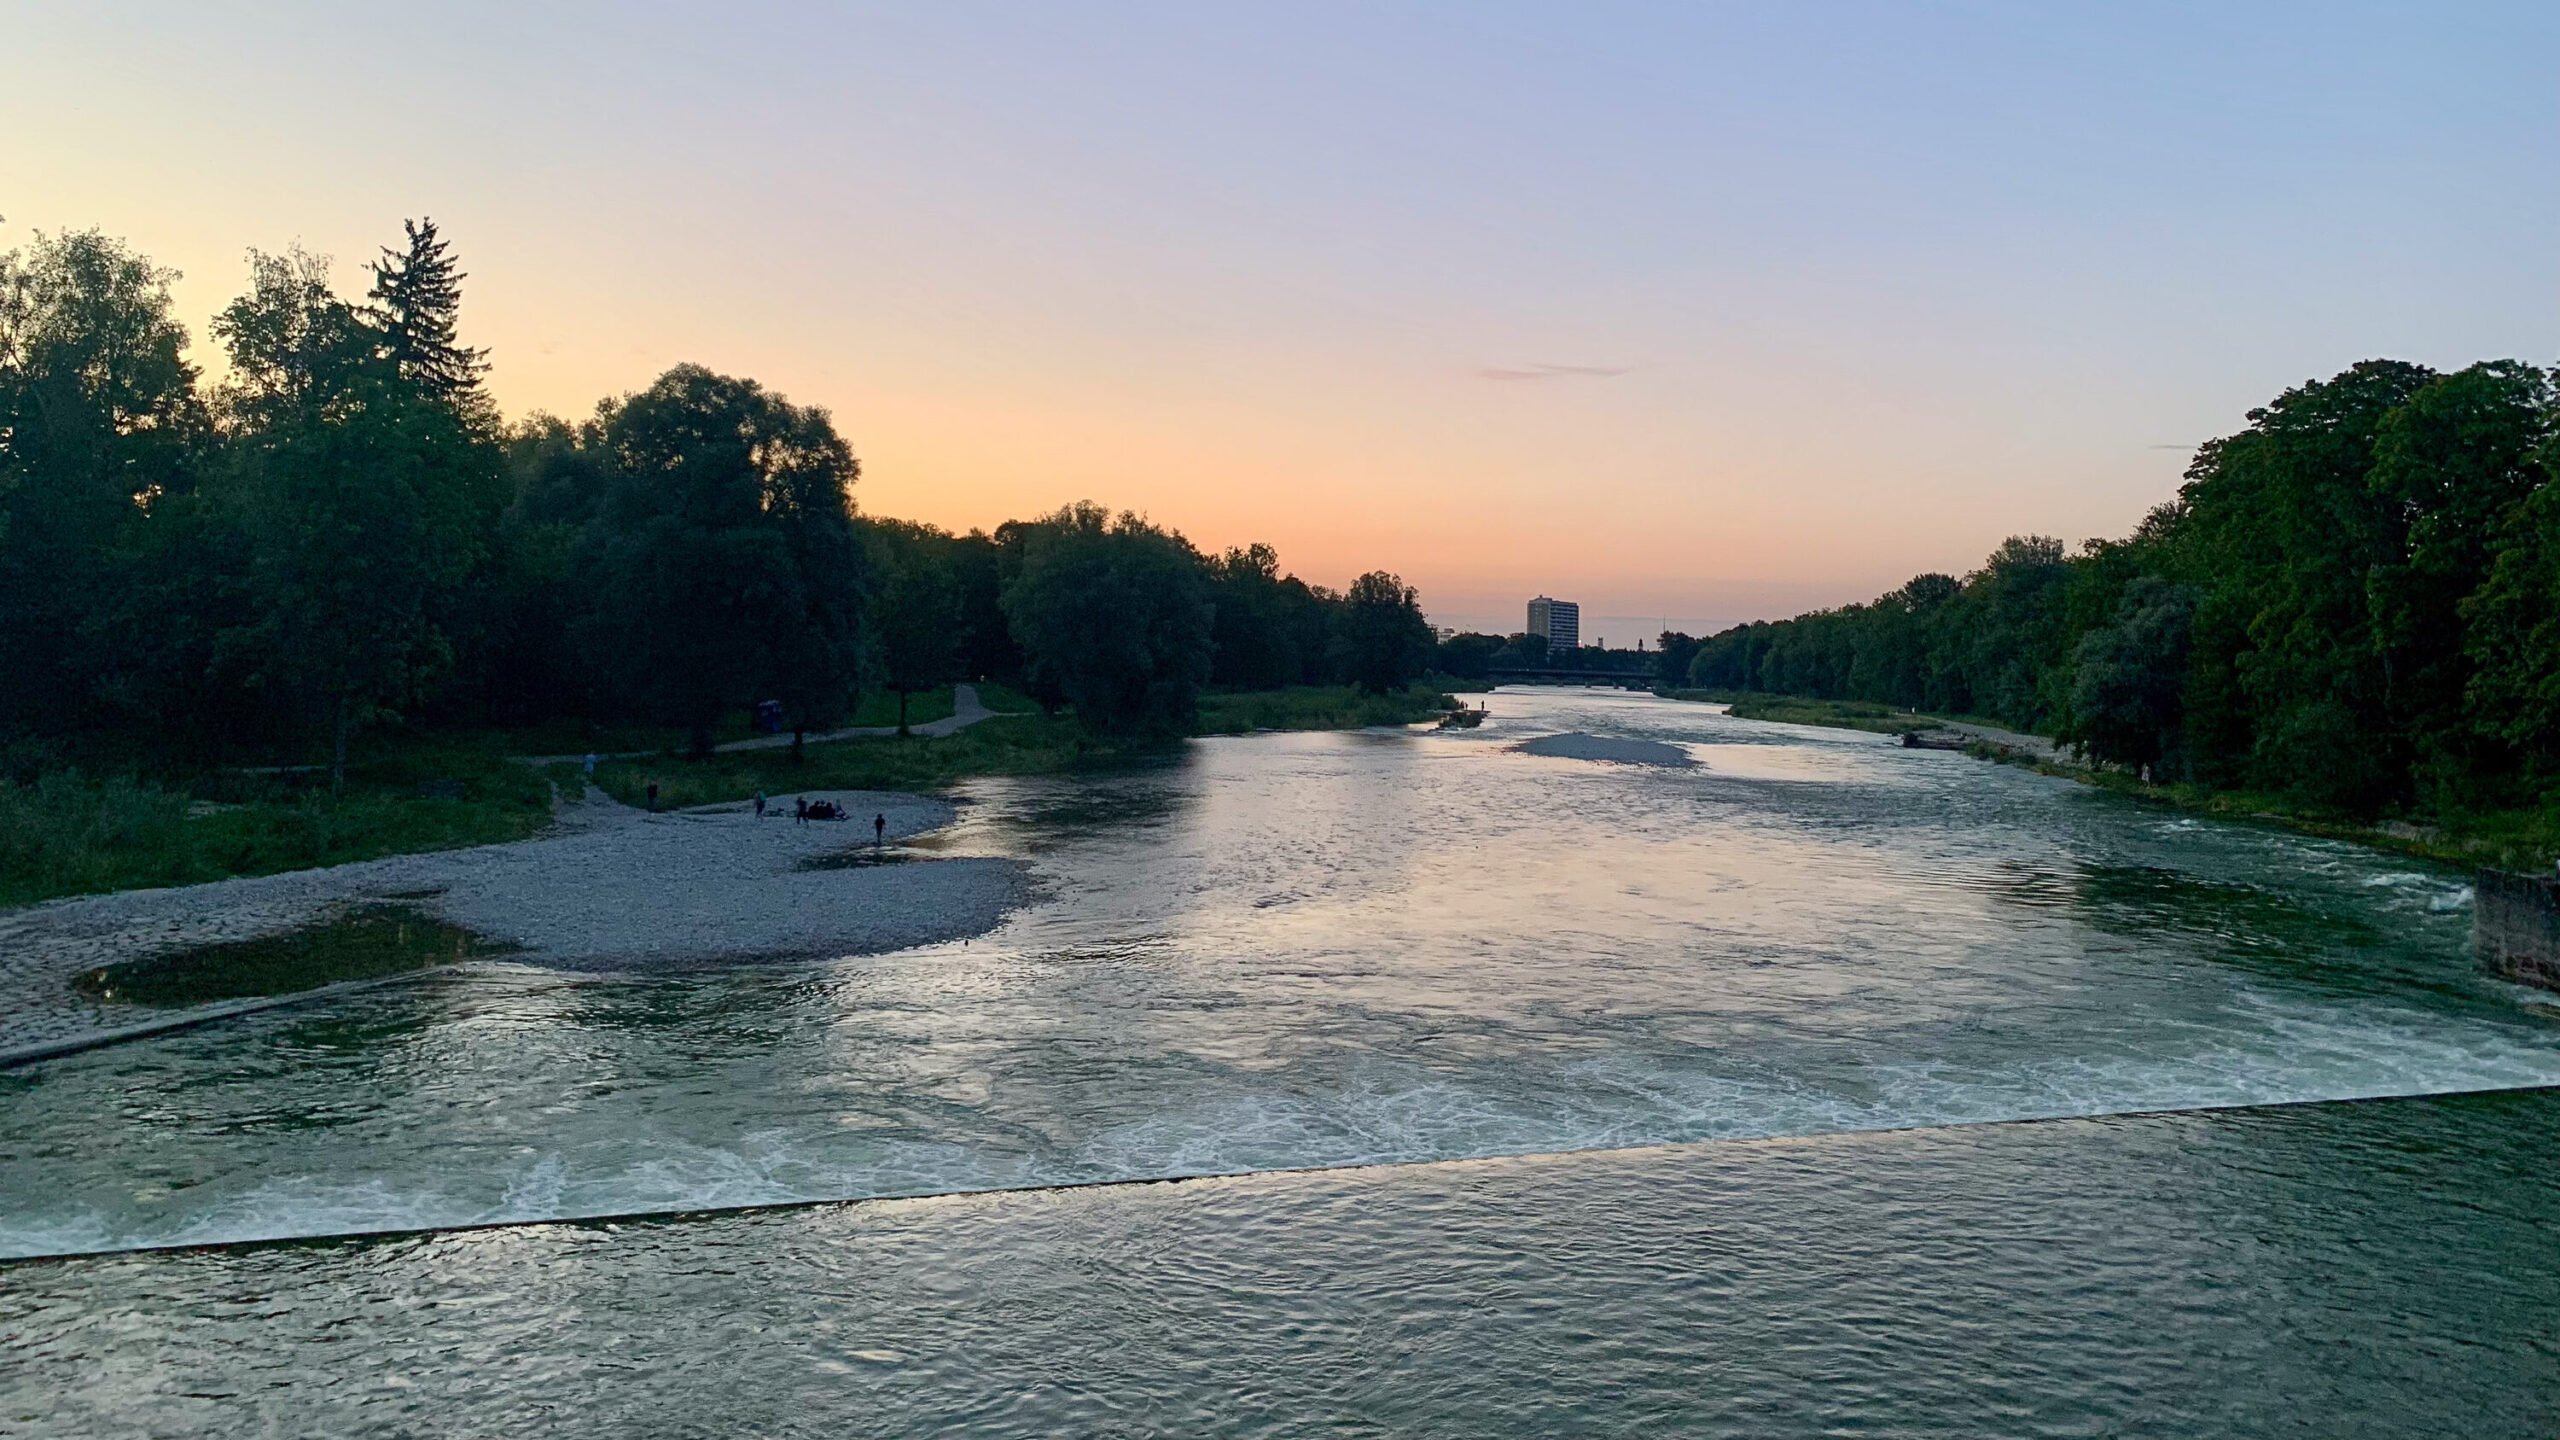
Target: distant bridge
(1623,679)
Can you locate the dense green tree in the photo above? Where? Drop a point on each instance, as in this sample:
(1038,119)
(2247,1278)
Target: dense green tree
(2129,677)
(99,421)
(723,558)
(1381,641)
(367,499)
(1271,629)
(1116,614)
(2282,532)
(987,651)
(918,612)
(1468,655)
(2450,466)
(2511,633)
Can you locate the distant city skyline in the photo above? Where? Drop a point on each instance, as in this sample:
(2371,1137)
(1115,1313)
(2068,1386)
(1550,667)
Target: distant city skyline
(1717,313)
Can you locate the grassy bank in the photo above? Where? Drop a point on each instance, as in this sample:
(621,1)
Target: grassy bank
(1796,710)
(1006,745)
(74,832)
(1833,714)
(1313,707)
(71,834)
(570,738)
(2525,838)
(1010,744)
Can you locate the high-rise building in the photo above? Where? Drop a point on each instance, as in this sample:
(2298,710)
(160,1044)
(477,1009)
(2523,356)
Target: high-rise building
(1559,620)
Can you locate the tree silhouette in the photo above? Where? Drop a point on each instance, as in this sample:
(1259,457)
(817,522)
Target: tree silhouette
(417,295)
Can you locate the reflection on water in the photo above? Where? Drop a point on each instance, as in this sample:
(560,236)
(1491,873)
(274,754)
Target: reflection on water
(859,857)
(1310,950)
(2340,1270)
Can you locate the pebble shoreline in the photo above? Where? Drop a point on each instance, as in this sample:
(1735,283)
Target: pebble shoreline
(610,888)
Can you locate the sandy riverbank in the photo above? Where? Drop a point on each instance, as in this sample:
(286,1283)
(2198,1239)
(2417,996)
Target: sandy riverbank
(610,889)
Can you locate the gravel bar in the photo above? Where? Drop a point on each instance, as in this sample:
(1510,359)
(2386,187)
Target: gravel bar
(610,889)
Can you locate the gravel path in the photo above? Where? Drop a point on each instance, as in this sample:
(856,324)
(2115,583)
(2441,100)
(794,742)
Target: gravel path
(609,889)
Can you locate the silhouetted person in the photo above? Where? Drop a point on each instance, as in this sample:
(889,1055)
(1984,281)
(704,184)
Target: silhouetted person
(800,810)
(759,804)
(653,797)
(879,830)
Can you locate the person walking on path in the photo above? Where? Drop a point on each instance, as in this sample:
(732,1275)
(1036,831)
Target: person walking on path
(879,830)
(653,797)
(759,804)
(589,767)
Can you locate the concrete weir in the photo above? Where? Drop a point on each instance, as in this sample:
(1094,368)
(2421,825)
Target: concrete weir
(2515,926)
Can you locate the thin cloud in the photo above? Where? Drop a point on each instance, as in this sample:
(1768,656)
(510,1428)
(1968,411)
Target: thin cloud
(1552,372)
(2173,447)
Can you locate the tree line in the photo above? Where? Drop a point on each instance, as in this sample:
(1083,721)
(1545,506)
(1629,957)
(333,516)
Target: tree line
(2354,601)
(344,532)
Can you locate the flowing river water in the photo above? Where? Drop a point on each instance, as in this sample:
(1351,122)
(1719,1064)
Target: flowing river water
(1677,1085)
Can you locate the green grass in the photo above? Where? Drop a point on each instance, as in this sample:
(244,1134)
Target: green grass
(1317,707)
(69,834)
(2525,838)
(364,943)
(74,834)
(569,737)
(1834,714)
(882,708)
(1004,699)
(1011,744)
(1007,745)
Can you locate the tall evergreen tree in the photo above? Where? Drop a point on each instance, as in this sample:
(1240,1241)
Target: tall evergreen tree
(417,295)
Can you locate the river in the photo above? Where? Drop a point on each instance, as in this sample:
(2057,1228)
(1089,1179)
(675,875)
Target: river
(1819,1079)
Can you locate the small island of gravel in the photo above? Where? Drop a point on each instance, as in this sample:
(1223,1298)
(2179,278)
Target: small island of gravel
(611,889)
(1575,745)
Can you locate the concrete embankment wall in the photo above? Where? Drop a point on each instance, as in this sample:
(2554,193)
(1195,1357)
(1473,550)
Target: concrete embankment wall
(2515,926)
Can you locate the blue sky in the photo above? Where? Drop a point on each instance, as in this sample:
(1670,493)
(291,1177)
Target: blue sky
(1699,311)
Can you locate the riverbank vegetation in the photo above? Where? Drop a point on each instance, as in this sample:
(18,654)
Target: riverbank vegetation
(1319,707)
(136,826)
(1835,714)
(2351,611)
(1014,744)
(339,557)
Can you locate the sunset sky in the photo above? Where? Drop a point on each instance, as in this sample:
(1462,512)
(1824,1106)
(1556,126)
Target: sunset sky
(1685,311)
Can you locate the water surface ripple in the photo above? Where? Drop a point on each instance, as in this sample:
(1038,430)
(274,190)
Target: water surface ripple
(1315,950)
(2373,1269)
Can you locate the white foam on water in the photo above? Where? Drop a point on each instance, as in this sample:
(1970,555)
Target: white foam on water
(2289,1051)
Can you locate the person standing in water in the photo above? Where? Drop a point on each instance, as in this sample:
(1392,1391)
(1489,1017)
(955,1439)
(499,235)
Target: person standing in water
(879,830)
